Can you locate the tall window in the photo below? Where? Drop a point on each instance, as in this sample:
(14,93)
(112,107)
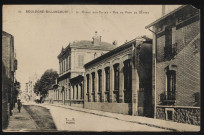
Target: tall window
(127,75)
(81,88)
(80,60)
(93,82)
(69,62)
(87,76)
(73,92)
(66,63)
(93,86)
(107,70)
(127,81)
(171,84)
(77,92)
(99,80)
(69,90)
(62,66)
(170,48)
(116,76)
(168,43)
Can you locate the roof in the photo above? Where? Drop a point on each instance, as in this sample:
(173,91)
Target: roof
(6,34)
(118,49)
(165,16)
(89,45)
(85,44)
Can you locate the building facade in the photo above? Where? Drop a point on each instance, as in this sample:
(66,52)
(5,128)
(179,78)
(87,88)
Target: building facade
(9,66)
(176,65)
(30,87)
(120,80)
(71,64)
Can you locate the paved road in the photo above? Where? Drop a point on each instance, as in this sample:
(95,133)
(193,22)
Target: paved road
(66,119)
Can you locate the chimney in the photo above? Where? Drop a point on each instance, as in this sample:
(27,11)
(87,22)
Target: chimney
(115,42)
(96,39)
(163,10)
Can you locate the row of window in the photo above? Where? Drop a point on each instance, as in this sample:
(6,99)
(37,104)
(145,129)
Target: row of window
(65,64)
(58,95)
(127,82)
(78,95)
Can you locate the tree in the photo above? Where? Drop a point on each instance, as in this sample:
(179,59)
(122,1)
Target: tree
(45,83)
(37,87)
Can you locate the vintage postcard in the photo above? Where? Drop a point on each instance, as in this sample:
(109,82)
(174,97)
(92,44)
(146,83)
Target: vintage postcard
(101,68)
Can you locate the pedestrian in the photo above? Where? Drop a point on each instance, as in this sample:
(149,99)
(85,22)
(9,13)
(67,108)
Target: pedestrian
(19,105)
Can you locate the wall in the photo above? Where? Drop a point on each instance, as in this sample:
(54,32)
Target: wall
(181,115)
(7,77)
(187,61)
(88,56)
(122,108)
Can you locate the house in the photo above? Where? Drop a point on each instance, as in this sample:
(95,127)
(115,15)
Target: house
(9,66)
(120,80)
(71,64)
(176,65)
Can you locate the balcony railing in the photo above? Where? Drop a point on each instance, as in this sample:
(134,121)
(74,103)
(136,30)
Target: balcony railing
(170,96)
(170,51)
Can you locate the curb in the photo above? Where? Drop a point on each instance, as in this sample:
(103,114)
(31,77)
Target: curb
(147,124)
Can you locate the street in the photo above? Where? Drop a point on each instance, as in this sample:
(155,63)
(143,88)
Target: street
(70,120)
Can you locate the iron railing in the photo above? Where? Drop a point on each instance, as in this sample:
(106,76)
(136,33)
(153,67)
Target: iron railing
(170,95)
(170,51)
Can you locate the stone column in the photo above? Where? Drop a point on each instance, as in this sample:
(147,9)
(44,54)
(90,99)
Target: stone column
(121,83)
(79,92)
(84,91)
(64,92)
(71,92)
(113,87)
(111,83)
(58,95)
(135,89)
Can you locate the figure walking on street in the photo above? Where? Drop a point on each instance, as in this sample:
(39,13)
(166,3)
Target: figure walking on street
(19,105)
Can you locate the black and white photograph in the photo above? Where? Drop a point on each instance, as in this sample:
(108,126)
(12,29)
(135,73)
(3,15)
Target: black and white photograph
(101,68)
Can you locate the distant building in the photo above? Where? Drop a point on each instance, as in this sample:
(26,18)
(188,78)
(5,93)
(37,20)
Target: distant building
(9,66)
(30,95)
(71,64)
(176,65)
(120,80)
(32,80)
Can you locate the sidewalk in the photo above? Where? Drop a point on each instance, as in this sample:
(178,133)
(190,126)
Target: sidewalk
(21,122)
(174,126)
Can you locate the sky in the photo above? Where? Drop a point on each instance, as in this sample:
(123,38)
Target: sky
(39,34)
